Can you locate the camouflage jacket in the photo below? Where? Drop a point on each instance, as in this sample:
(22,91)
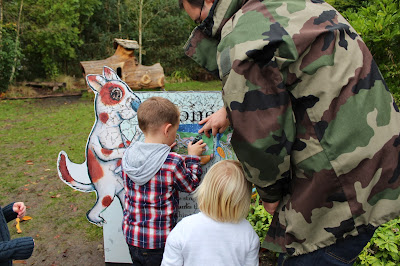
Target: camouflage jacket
(314,123)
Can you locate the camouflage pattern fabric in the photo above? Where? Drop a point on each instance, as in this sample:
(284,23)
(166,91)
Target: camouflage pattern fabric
(315,126)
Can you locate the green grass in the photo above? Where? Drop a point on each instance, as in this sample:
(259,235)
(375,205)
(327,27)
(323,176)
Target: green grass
(32,133)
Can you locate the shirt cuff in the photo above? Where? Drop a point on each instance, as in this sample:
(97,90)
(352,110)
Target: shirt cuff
(192,158)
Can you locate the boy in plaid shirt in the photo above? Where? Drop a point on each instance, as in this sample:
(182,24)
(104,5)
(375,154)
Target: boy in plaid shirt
(153,175)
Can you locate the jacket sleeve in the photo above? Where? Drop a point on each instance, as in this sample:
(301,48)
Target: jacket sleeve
(16,249)
(258,103)
(187,173)
(8,212)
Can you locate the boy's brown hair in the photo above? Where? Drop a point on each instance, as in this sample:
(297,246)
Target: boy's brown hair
(155,112)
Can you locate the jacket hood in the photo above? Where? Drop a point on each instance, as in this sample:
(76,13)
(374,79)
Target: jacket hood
(204,38)
(141,161)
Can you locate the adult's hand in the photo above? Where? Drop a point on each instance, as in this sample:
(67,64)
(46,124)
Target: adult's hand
(217,122)
(270,207)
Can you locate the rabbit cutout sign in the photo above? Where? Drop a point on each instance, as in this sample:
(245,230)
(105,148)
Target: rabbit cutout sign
(114,103)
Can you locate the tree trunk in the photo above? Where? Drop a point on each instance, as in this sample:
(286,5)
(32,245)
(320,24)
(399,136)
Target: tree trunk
(140,31)
(16,42)
(119,18)
(1,23)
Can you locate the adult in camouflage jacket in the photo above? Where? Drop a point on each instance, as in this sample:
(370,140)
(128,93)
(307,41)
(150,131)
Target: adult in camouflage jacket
(315,126)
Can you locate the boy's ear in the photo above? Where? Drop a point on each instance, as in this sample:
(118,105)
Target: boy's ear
(167,128)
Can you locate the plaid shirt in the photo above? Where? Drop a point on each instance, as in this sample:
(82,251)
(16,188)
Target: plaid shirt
(151,210)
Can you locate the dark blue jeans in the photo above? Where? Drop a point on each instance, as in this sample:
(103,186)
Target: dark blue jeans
(344,252)
(146,257)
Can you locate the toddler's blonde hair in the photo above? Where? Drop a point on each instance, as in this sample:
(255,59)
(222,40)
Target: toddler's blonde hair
(225,194)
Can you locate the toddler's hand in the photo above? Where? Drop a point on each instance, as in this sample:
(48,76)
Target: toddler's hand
(20,208)
(197,148)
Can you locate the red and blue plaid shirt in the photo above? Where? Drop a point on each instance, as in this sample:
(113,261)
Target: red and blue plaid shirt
(151,210)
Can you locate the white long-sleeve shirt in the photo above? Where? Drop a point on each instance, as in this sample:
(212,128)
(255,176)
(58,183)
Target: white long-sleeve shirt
(199,240)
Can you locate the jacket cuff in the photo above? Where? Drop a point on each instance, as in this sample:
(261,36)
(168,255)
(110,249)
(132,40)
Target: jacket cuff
(271,193)
(25,248)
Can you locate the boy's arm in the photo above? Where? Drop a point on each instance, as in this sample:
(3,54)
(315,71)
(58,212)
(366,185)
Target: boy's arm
(187,173)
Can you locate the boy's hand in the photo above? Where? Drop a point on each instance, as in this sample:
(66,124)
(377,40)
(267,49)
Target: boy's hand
(20,208)
(197,148)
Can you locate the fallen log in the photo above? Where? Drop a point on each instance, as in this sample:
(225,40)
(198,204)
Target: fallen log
(53,85)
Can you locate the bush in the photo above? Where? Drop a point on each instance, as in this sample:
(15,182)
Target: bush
(383,249)
(343,5)
(258,217)
(378,23)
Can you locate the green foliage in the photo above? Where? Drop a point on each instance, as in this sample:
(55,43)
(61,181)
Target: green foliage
(259,218)
(383,249)
(102,26)
(165,31)
(53,34)
(378,23)
(343,5)
(57,35)
(396,97)
(180,76)
(7,54)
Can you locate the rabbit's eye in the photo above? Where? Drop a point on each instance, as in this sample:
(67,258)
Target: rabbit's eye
(116,94)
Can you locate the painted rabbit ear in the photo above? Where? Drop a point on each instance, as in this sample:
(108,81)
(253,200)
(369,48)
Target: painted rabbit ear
(110,74)
(95,82)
